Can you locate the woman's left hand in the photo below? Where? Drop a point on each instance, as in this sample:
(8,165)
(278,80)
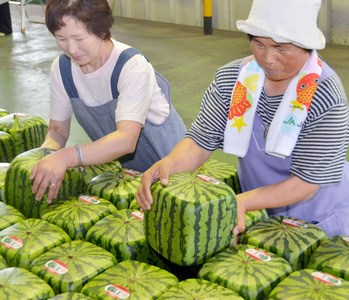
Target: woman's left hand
(48,174)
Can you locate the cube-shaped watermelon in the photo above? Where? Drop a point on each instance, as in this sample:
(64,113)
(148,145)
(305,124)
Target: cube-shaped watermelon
(191,218)
(9,216)
(247,270)
(130,279)
(122,234)
(77,214)
(24,241)
(7,153)
(293,239)
(69,266)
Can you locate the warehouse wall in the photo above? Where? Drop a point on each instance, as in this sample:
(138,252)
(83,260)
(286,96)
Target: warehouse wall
(333,18)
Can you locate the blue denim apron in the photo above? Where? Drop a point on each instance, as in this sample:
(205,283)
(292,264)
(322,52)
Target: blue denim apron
(155,140)
(329,208)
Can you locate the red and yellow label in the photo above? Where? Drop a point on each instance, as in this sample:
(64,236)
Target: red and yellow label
(56,267)
(89,199)
(117,291)
(295,223)
(258,254)
(327,278)
(11,242)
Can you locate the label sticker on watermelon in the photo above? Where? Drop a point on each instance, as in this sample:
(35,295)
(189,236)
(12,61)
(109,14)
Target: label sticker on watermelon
(346,239)
(327,278)
(138,215)
(89,199)
(22,115)
(258,254)
(133,172)
(295,223)
(208,178)
(117,291)
(56,267)
(12,242)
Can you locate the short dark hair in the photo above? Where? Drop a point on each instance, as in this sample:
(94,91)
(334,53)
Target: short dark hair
(95,14)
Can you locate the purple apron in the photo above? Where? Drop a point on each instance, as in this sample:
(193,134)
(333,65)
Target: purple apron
(329,208)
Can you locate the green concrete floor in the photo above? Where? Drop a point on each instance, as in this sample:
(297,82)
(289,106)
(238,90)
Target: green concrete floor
(186,57)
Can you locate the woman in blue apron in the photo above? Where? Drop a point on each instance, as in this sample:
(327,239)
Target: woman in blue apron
(283,111)
(121,102)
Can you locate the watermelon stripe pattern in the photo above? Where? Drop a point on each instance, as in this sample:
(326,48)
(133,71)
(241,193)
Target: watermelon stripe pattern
(22,242)
(18,184)
(292,239)
(118,187)
(250,272)
(122,234)
(27,131)
(9,216)
(70,296)
(198,289)
(3,169)
(69,266)
(310,284)
(7,147)
(17,283)
(76,215)
(137,280)
(191,219)
(332,257)
(3,263)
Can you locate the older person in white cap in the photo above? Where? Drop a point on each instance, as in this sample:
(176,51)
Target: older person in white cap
(283,111)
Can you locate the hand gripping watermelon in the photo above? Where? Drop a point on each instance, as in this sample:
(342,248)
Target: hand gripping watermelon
(27,131)
(130,279)
(122,234)
(7,147)
(17,284)
(199,289)
(9,215)
(24,241)
(249,271)
(118,187)
(69,266)
(191,219)
(332,257)
(222,171)
(252,218)
(76,215)
(310,284)
(292,239)
(18,186)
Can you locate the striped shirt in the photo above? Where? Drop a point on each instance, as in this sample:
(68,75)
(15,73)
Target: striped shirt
(320,152)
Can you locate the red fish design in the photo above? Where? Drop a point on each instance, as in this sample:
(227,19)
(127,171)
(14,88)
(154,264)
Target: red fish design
(306,88)
(239,103)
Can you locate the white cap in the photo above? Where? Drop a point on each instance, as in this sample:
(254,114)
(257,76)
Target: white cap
(285,21)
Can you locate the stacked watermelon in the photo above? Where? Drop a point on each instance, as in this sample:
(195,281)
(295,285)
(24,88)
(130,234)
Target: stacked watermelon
(292,239)
(18,185)
(3,112)
(332,257)
(70,296)
(130,280)
(3,169)
(7,148)
(69,266)
(198,289)
(3,263)
(191,218)
(9,215)
(76,215)
(17,283)
(122,234)
(311,284)
(24,241)
(249,271)
(119,186)
(27,131)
